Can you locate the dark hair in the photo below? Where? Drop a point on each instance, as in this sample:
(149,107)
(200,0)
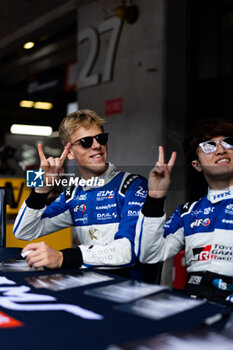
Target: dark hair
(205,130)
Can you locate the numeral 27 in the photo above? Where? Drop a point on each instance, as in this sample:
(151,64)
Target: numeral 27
(85,78)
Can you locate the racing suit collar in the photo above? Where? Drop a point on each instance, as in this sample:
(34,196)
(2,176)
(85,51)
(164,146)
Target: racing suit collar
(218,195)
(107,176)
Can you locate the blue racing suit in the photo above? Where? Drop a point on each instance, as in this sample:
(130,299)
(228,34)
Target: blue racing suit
(104,218)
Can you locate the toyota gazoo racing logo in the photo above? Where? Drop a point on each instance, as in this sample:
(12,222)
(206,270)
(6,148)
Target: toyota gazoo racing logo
(216,251)
(200,222)
(203,253)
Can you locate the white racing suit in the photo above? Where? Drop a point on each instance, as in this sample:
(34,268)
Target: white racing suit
(104,218)
(204,228)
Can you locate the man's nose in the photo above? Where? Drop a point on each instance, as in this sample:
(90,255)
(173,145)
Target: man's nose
(220,148)
(95,144)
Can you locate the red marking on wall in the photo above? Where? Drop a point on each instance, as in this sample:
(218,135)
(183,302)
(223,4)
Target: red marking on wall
(114,106)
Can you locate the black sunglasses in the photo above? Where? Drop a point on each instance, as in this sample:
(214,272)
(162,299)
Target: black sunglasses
(87,142)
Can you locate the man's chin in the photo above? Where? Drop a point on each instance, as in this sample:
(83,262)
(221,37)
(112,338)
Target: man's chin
(224,174)
(95,169)
(99,170)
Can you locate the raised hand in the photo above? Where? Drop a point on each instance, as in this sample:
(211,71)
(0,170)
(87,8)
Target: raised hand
(52,167)
(159,177)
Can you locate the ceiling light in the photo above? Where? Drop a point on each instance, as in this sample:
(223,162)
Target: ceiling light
(28,45)
(43,105)
(128,13)
(26,104)
(37,105)
(31,130)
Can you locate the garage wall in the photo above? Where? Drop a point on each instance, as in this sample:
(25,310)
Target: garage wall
(137,80)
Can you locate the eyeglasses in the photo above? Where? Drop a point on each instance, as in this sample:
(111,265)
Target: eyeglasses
(87,142)
(211,146)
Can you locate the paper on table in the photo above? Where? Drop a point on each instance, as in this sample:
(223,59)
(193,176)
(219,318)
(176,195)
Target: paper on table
(12,265)
(160,306)
(125,291)
(60,281)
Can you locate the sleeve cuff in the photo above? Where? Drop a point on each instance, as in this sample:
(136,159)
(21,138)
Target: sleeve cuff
(72,258)
(153,207)
(37,200)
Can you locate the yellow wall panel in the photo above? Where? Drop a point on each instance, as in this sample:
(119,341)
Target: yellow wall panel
(20,192)
(58,240)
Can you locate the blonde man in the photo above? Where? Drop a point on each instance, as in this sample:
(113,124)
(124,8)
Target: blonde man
(103,218)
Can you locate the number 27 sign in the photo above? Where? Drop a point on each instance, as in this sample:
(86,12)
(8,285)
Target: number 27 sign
(86,75)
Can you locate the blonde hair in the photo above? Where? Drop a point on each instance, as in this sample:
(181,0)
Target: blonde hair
(73,121)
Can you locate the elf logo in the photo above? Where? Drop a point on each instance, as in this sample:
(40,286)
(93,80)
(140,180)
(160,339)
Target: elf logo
(81,208)
(199,222)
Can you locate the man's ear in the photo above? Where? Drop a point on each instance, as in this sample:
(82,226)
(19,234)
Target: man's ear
(195,163)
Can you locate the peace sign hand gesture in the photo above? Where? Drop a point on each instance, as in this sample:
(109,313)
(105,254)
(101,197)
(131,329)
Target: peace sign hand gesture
(52,167)
(159,177)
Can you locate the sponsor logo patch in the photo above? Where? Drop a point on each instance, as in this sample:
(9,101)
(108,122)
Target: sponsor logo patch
(229,209)
(81,208)
(203,253)
(199,222)
(214,251)
(132,213)
(104,216)
(84,219)
(208,210)
(141,192)
(106,207)
(82,197)
(101,195)
(140,204)
(112,173)
(195,279)
(226,221)
(219,196)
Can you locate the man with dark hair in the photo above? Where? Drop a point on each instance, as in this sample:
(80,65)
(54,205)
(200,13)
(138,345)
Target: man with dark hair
(205,130)
(103,216)
(204,228)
